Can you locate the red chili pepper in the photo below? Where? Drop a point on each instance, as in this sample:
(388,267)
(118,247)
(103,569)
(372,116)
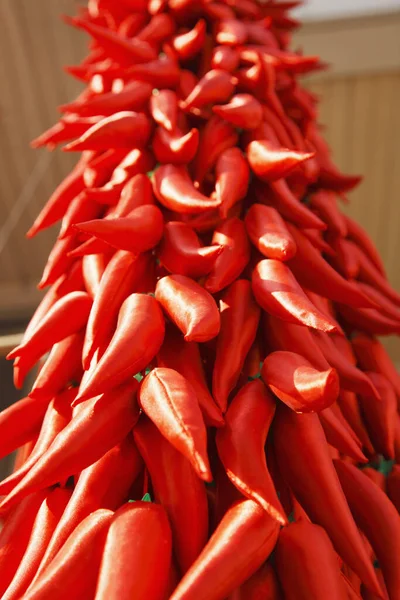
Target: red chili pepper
(136,341)
(216,136)
(59,261)
(164,109)
(189,44)
(93,267)
(175,190)
(369,320)
(263,585)
(376,476)
(388,308)
(268,232)
(175,147)
(349,406)
(359,235)
(99,425)
(339,437)
(171,403)
(241,442)
(232,236)
(225,58)
(324,202)
(307,467)
(232,179)
(393,486)
(278,293)
(242,111)
(163,73)
(127,569)
(231,32)
(377,518)
(159,28)
(82,208)
(76,566)
(186,506)
(270,163)
(185,358)
(239,322)
(307,565)
(189,306)
(372,356)
(66,129)
(104,484)
(220,568)
(371,275)
(294,381)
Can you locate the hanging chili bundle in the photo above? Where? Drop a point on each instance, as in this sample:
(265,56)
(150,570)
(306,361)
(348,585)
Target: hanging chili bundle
(213,384)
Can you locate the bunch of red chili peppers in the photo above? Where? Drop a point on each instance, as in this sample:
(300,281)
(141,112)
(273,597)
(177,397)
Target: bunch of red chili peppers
(212,407)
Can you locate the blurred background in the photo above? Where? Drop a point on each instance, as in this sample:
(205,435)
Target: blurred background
(360,102)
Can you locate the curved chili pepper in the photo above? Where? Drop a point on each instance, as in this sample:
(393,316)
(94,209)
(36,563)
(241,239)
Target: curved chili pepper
(372,356)
(164,109)
(120,130)
(48,515)
(279,294)
(270,163)
(360,236)
(175,147)
(175,190)
(64,130)
(268,232)
(243,110)
(124,274)
(180,251)
(76,565)
(231,32)
(220,568)
(369,320)
(99,170)
(393,486)
(294,381)
(376,476)
(137,339)
(186,506)
(159,28)
(163,72)
(104,484)
(377,518)
(225,58)
(185,358)
(20,422)
(240,445)
(218,12)
(190,43)
(307,565)
(189,306)
(170,402)
(100,424)
(324,202)
(240,315)
(216,136)
(60,260)
(136,192)
(235,255)
(307,467)
(349,406)
(81,208)
(14,536)
(232,176)
(388,308)
(263,585)
(339,437)
(371,275)
(131,574)
(93,266)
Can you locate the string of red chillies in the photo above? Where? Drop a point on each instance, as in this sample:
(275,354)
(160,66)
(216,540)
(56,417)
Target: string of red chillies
(212,409)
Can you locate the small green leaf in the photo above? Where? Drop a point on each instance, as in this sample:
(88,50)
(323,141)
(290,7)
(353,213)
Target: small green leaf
(146,498)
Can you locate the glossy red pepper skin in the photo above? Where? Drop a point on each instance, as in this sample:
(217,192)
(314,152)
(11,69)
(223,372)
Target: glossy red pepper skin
(307,565)
(216,86)
(217,136)
(339,436)
(127,569)
(377,518)
(133,96)
(268,232)
(186,506)
(232,179)
(270,163)
(220,568)
(379,416)
(372,356)
(175,147)
(239,322)
(263,585)
(164,109)
(350,408)
(76,565)
(242,111)
(240,445)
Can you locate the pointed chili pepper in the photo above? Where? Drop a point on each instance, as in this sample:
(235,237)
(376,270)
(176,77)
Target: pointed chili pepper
(136,192)
(131,573)
(308,470)
(240,315)
(189,306)
(186,507)
(225,58)
(242,111)
(270,163)
(218,12)
(339,437)
(59,261)
(360,236)
(216,86)
(133,96)
(278,293)
(185,358)
(135,162)
(216,136)
(123,275)
(190,43)
(371,275)
(380,416)
(120,130)
(14,536)
(268,232)
(393,486)
(377,518)
(231,32)
(136,341)
(220,568)
(372,356)
(289,206)
(349,406)
(159,28)
(307,565)
(65,129)
(100,168)
(294,380)
(241,442)
(105,484)
(232,179)
(76,565)
(377,477)
(388,308)
(99,425)
(93,267)
(325,204)
(368,320)
(170,402)
(324,280)
(63,366)
(175,147)
(164,109)
(175,190)
(232,236)
(48,515)
(124,51)
(181,252)
(262,585)
(163,72)
(138,232)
